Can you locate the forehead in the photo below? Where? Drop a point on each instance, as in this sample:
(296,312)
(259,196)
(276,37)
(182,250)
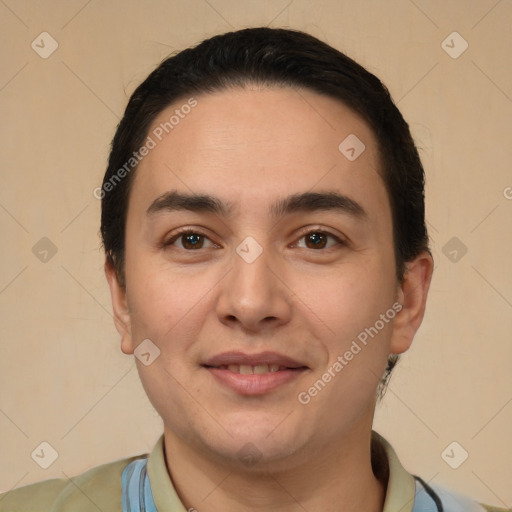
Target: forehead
(251,146)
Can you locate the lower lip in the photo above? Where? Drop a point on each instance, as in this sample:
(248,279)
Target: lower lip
(254,384)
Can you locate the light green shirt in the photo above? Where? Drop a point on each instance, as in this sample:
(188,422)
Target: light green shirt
(100,488)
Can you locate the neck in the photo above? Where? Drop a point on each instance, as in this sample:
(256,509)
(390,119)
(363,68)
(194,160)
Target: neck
(347,477)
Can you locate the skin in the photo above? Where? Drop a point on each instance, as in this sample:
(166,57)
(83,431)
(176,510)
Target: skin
(249,148)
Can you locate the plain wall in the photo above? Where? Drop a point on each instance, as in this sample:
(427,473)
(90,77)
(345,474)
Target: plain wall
(64,379)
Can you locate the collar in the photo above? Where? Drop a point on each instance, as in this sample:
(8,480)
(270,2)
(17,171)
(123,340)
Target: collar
(399,492)
(401,485)
(164,494)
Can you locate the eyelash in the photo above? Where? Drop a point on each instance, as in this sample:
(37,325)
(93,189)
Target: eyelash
(181,233)
(188,231)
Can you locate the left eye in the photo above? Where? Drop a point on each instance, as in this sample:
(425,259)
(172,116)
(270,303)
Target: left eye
(318,240)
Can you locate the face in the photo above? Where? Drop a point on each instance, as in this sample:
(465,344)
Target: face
(260,263)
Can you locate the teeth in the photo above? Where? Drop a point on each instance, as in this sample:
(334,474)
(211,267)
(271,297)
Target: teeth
(246,369)
(261,368)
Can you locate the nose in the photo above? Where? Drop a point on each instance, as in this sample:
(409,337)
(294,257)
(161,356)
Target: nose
(254,296)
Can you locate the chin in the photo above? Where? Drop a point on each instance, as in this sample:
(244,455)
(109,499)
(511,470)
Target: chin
(258,455)
(256,442)
(256,425)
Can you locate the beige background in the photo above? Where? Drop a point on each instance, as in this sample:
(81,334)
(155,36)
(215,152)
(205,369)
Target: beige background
(64,379)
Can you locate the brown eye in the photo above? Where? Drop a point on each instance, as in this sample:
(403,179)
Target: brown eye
(318,240)
(192,241)
(189,241)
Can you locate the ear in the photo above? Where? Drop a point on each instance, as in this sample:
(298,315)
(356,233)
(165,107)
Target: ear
(412,295)
(122,319)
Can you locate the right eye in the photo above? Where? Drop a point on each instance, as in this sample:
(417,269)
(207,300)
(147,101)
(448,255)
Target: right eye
(188,240)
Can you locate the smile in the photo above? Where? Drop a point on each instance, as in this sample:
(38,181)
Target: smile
(253,374)
(247,369)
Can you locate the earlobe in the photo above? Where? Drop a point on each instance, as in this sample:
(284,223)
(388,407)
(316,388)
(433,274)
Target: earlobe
(412,294)
(122,319)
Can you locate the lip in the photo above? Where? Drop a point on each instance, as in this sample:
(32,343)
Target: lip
(254,384)
(227,358)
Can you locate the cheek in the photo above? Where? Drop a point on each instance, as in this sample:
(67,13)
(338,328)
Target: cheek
(354,336)
(169,310)
(356,343)
(348,299)
(164,303)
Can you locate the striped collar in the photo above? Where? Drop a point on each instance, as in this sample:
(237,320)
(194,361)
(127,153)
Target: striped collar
(141,496)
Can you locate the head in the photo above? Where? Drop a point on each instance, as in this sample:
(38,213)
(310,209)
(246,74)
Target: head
(245,131)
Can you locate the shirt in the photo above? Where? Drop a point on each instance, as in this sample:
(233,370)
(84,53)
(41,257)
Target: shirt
(123,485)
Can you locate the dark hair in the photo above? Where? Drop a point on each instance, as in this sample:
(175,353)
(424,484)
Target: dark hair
(270,57)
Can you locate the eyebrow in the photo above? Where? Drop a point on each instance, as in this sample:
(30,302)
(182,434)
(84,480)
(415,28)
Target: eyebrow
(303,202)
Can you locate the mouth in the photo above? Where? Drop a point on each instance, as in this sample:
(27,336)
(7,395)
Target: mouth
(247,369)
(253,374)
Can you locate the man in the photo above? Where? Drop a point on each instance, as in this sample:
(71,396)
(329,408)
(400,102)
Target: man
(268,261)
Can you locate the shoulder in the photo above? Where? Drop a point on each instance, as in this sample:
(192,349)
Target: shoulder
(405,488)
(436,497)
(98,488)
